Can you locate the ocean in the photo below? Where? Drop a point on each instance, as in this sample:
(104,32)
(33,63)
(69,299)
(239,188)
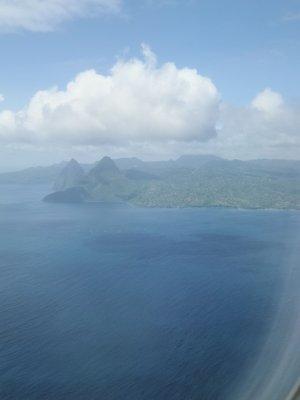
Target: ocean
(114,302)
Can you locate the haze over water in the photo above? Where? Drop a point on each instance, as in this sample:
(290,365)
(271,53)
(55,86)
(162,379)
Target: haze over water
(115,302)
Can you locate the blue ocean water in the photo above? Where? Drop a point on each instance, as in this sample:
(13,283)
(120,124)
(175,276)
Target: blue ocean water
(113,302)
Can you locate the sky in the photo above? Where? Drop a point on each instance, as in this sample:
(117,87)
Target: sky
(148,78)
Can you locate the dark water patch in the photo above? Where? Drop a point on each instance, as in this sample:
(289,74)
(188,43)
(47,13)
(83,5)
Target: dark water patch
(231,249)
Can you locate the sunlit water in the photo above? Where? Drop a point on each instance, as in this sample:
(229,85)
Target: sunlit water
(113,302)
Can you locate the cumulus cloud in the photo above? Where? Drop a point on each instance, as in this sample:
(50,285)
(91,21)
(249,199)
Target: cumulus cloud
(157,111)
(268,102)
(138,101)
(268,127)
(46,15)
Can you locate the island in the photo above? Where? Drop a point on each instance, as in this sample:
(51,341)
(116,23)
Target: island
(189,181)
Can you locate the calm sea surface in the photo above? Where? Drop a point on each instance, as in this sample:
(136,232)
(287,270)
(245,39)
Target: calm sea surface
(112,302)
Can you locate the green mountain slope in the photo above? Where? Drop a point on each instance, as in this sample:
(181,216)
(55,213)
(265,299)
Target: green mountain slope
(190,181)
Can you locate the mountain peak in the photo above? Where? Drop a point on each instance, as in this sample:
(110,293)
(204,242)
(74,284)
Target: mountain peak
(106,164)
(73,162)
(70,176)
(105,168)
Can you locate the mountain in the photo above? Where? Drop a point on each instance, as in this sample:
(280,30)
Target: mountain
(103,172)
(130,163)
(51,174)
(223,184)
(71,176)
(196,160)
(33,175)
(138,175)
(189,181)
(191,161)
(104,182)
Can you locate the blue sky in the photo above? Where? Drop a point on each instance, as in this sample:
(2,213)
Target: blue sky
(243,46)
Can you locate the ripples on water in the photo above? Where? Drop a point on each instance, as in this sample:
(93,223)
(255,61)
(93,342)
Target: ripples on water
(114,302)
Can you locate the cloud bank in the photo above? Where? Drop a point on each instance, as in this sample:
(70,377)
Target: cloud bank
(136,102)
(47,15)
(268,127)
(143,108)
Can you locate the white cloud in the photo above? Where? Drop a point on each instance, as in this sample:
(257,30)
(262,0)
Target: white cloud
(269,128)
(46,15)
(137,101)
(268,101)
(141,108)
(1,98)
